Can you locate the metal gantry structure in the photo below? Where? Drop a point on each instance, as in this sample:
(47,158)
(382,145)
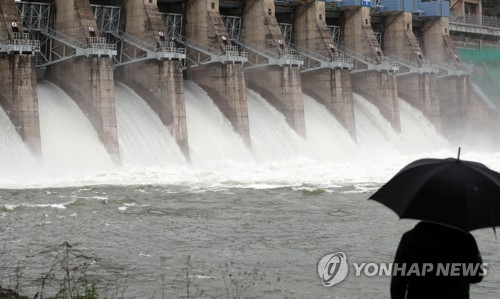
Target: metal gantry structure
(20,43)
(51,46)
(260,57)
(315,61)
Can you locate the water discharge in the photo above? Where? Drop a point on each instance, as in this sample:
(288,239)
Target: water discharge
(211,137)
(327,138)
(375,133)
(69,141)
(142,137)
(278,155)
(15,158)
(272,138)
(277,208)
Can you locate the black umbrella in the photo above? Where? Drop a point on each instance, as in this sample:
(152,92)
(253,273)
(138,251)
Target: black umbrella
(452,192)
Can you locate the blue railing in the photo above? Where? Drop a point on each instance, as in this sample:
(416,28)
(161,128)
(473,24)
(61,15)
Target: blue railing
(398,5)
(435,8)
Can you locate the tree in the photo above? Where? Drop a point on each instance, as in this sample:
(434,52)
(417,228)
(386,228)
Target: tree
(491,8)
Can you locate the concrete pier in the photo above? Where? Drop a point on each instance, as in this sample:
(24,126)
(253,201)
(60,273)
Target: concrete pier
(18,93)
(379,87)
(78,59)
(453,91)
(280,85)
(89,81)
(331,87)
(224,82)
(419,89)
(159,82)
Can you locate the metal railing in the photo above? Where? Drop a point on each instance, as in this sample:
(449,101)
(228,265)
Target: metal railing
(460,69)
(475,20)
(384,63)
(71,42)
(285,57)
(336,60)
(19,43)
(205,54)
(387,63)
(290,55)
(25,42)
(198,46)
(356,56)
(170,47)
(234,51)
(101,43)
(310,53)
(257,49)
(135,50)
(426,66)
(136,41)
(69,47)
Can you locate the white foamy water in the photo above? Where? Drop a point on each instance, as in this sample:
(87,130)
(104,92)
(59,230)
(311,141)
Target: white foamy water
(418,133)
(374,132)
(211,137)
(220,158)
(69,141)
(327,138)
(15,158)
(272,138)
(142,137)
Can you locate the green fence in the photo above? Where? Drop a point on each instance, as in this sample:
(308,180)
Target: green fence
(486,72)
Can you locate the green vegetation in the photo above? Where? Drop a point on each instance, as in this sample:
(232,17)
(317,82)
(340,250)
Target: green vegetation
(66,278)
(491,8)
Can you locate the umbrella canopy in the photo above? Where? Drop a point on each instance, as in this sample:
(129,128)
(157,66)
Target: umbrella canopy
(453,192)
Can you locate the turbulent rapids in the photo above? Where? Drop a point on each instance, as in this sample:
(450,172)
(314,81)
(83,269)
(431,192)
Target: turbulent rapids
(73,154)
(231,209)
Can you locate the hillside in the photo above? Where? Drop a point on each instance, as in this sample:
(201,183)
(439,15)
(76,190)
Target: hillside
(491,8)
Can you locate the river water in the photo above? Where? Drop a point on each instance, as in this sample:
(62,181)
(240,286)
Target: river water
(234,222)
(140,238)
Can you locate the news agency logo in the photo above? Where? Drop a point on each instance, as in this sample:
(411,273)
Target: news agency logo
(333,268)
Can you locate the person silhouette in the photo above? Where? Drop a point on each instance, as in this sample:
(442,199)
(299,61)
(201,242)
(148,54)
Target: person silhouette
(431,246)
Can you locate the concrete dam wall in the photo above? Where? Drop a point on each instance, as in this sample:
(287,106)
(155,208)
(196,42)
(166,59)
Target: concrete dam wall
(280,49)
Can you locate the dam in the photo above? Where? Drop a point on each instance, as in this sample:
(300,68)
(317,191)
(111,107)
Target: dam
(100,52)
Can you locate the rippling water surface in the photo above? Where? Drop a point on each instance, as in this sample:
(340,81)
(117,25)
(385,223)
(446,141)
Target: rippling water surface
(141,237)
(236,222)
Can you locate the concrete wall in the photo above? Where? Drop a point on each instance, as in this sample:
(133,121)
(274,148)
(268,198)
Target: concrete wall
(378,87)
(159,83)
(89,81)
(465,116)
(420,90)
(224,83)
(482,123)
(281,86)
(466,7)
(453,100)
(358,34)
(399,39)
(436,43)
(453,91)
(330,87)
(18,94)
